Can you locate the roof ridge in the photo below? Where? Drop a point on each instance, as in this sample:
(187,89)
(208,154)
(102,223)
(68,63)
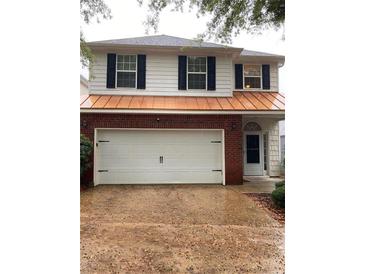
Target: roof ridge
(126,38)
(162,39)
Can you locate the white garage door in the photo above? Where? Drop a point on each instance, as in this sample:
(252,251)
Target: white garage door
(158,157)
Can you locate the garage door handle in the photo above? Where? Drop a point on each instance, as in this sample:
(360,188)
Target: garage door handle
(161,159)
(103,170)
(217,170)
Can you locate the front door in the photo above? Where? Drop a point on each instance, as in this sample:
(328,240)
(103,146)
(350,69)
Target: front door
(253,159)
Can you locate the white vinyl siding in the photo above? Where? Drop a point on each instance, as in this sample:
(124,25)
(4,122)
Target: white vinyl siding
(162,77)
(274,76)
(161,73)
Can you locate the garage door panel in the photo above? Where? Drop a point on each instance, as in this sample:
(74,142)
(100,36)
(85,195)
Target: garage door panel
(160,177)
(114,148)
(155,136)
(133,156)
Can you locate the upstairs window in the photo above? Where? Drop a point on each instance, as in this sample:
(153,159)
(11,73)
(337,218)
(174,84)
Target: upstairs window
(197,72)
(252,76)
(126,71)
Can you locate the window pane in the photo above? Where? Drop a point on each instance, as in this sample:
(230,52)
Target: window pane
(252,70)
(196,81)
(253,156)
(252,82)
(126,79)
(126,62)
(197,64)
(120,58)
(252,141)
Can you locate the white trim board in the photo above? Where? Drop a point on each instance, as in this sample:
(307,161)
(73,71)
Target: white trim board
(279,113)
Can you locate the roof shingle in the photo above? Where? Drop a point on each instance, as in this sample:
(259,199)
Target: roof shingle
(246,52)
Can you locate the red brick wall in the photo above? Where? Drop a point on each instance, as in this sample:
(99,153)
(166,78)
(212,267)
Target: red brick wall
(230,123)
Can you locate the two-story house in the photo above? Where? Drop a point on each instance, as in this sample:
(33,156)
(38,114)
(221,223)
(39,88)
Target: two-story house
(164,109)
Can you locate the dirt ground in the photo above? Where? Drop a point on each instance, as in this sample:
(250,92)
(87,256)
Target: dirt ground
(183,229)
(264,200)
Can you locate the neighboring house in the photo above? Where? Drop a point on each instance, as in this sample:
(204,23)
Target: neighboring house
(84,85)
(164,109)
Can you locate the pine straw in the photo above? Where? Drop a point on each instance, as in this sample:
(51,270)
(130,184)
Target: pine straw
(263,200)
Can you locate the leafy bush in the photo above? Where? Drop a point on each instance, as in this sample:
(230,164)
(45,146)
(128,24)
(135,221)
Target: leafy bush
(278,196)
(279,184)
(86,148)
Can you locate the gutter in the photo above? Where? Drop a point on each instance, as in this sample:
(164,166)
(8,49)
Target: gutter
(158,111)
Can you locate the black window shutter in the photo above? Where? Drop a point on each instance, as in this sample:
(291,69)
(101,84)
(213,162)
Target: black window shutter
(211,72)
(141,71)
(238,73)
(182,73)
(110,71)
(266,76)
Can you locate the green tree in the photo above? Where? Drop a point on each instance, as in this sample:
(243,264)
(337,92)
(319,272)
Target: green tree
(229,17)
(86,148)
(91,10)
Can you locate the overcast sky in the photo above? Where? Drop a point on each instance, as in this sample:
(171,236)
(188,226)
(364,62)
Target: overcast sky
(128,19)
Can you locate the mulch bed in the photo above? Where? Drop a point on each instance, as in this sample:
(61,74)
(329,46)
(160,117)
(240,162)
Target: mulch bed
(263,200)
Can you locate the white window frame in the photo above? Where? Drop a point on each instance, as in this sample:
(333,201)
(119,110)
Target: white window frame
(244,84)
(123,70)
(187,73)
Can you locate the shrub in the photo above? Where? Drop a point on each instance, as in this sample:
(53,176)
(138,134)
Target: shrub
(86,148)
(278,196)
(279,184)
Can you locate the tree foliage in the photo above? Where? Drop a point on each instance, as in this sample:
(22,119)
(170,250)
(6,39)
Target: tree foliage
(89,10)
(229,17)
(86,148)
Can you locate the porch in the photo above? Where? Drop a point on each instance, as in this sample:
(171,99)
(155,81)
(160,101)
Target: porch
(261,146)
(259,184)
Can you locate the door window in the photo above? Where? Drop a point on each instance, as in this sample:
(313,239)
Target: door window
(253,149)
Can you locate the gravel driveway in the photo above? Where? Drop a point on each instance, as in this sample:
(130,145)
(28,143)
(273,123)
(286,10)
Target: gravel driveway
(187,228)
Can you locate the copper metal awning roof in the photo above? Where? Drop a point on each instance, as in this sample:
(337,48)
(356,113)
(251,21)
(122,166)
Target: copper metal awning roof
(241,101)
